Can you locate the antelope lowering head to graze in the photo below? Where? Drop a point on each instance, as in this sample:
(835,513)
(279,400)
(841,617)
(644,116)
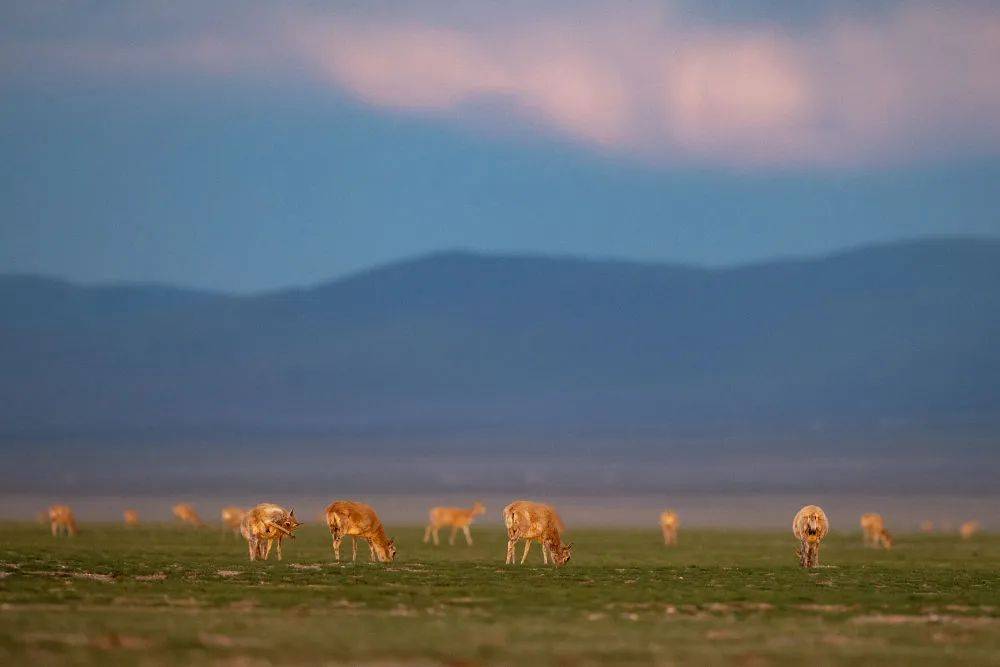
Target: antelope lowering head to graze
(528,521)
(968,529)
(873,531)
(455,517)
(264,525)
(232,518)
(346,517)
(61,520)
(810,526)
(185,512)
(669,523)
(131,518)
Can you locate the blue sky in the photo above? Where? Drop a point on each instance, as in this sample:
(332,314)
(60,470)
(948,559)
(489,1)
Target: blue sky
(253,146)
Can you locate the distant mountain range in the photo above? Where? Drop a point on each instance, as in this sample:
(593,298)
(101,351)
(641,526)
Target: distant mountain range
(898,338)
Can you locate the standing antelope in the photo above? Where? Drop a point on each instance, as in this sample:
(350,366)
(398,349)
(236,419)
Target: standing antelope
(927,526)
(526,520)
(810,526)
(232,518)
(265,524)
(968,529)
(873,531)
(346,517)
(131,518)
(61,520)
(456,517)
(669,523)
(185,512)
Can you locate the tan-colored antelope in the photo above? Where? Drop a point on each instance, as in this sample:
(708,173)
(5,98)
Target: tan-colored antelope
(455,517)
(810,526)
(927,526)
(968,529)
(530,521)
(186,513)
(131,518)
(873,531)
(669,523)
(264,525)
(358,520)
(232,518)
(61,520)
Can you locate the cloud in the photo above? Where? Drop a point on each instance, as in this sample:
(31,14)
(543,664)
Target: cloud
(915,83)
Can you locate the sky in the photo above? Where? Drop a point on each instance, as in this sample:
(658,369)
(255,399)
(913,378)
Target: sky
(246,146)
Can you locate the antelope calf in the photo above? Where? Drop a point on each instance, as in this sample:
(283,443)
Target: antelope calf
(185,512)
(456,517)
(530,521)
(873,531)
(810,526)
(264,525)
(669,523)
(968,529)
(346,517)
(61,520)
(131,518)
(232,518)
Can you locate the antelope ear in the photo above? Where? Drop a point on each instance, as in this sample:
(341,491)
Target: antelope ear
(291,514)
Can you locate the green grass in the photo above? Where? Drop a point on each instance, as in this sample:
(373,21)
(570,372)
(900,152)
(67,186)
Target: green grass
(162,594)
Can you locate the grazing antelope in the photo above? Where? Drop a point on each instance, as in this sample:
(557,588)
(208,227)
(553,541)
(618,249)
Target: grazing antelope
(456,517)
(346,517)
(232,518)
(529,521)
(264,525)
(810,526)
(968,529)
(873,531)
(669,523)
(186,514)
(131,518)
(61,520)
(927,526)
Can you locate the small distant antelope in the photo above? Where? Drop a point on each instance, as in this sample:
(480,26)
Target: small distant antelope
(131,518)
(346,517)
(264,525)
(232,518)
(927,526)
(186,514)
(669,523)
(456,517)
(873,531)
(61,520)
(810,526)
(968,529)
(528,521)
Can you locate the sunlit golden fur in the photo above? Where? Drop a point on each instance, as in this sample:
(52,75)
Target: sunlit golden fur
(669,523)
(61,520)
(346,517)
(530,521)
(187,514)
(131,518)
(810,526)
(232,518)
(265,525)
(455,517)
(873,531)
(968,529)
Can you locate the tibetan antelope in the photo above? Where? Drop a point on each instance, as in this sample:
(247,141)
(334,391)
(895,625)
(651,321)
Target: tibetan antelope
(669,523)
(968,529)
(456,517)
(264,525)
(873,531)
(131,518)
(346,517)
(810,526)
(530,521)
(61,520)
(186,514)
(232,519)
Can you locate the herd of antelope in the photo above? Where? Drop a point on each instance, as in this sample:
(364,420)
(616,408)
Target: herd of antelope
(267,525)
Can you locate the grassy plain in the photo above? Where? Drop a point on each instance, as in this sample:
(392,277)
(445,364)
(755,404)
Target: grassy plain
(160,594)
